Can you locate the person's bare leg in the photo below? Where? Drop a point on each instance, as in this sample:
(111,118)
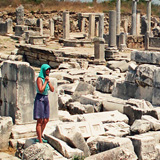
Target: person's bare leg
(39,129)
(45,121)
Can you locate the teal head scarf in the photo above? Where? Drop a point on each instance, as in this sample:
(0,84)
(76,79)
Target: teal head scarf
(42,72)
(42,75)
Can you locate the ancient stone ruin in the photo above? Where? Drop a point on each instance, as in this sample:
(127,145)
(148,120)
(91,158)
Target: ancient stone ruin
(105,71)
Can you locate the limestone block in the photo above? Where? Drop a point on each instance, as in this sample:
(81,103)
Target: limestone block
(145,75)
(113,103)
(106,117)
(105,83)
(139,103)
(62,147)
(20,29)
(145,93)
(76,108)
(18,91)
(90,99)
(155,124)
(144,146)
(83,88)
(131,76)
(63,100)
(155,95)
(148,57)
(36,151)
(103,143)
(141,57)
(141,126)
(73,138)
(68,88)
(5,131)
(118,129)
(115,153)
(124,90)
(134,113)
(122,65)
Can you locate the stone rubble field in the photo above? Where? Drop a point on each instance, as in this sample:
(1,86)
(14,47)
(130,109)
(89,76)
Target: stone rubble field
(108,111)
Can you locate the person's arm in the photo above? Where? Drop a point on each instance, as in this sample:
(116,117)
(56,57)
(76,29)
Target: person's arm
(50,86)
(40,85)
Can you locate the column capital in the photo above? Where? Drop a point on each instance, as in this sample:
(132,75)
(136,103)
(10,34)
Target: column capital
(135,0)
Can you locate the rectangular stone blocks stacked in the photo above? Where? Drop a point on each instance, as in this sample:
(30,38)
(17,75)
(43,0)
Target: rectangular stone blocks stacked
(144,80)
(17,91)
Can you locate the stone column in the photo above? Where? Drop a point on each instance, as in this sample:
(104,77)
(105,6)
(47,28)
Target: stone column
(91,26)
(147,40)
(112,28)
(134,17)
(97,29)
(118,17)
(138,24)
(149,15)
(83,25)
(101,25)
(41,26)
(99,54)
(51,26)
(66,25)
(20,15)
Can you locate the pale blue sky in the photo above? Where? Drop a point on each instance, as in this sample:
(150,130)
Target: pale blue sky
(153,1)
(156,2)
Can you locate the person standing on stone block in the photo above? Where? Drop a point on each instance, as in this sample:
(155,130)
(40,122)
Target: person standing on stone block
(41,103)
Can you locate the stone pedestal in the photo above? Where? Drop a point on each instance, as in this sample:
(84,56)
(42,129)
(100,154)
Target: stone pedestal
(17,91)
(99,56)
(20,29)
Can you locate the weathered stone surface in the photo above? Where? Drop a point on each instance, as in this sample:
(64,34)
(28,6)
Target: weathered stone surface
(124,90)
(17,91)
(73,138)
(115,153)
(141,126)
(83,88)
(63,100)
(105,83)
(113,103)
(5,131)
(62,147)
(6,156)
(38,151)
(106,117)
(76,108)
(103,143)
(139,103)
(155,124)
(122,65)
(118,129)
(144,146)
(148,57)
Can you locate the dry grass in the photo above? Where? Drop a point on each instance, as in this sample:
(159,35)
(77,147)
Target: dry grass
(77,6)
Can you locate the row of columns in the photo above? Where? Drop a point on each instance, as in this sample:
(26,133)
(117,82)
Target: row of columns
(92,26)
